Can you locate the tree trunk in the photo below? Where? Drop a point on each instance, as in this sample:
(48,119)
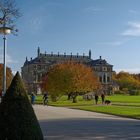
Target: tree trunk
(74,98)
(69,96)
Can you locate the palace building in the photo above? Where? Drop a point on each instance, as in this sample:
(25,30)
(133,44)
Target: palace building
(34,69)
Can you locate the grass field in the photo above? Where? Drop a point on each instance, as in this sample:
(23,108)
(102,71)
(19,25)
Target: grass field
(122,105)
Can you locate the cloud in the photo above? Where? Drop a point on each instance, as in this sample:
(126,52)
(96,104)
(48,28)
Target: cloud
(92,10)
(115,43)
(36,23)
(9,59)
(133,12)
(133,29)
(130,70)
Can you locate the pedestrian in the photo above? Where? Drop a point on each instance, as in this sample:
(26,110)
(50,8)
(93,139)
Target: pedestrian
(96,98)
(33,98)
(45,98)
(103,98)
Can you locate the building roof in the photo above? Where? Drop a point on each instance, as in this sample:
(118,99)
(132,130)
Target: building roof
(56,58)
(98,62)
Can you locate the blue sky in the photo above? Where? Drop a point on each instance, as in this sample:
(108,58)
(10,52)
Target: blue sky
(110,28)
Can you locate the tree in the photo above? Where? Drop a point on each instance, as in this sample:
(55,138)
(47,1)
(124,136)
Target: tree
(17,117)
(9,77)
(136,76)
(126,81)
(9,13)
(56,82)
(71,78)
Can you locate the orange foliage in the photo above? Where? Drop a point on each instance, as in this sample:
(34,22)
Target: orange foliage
(70,77)
(9,77)
(127,80)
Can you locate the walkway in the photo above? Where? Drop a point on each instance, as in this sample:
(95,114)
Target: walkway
(59,123)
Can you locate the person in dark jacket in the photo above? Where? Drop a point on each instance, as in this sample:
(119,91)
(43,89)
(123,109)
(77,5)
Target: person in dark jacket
(103,98)
(96,99)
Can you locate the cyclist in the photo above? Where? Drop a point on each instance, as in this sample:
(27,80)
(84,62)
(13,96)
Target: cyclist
(45,98)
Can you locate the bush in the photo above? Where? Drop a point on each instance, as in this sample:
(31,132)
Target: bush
(17,117)
(120,92)
(134,92)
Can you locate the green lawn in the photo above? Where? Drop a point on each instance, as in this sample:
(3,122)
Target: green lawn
(122,105)
(124,98)
(125,111)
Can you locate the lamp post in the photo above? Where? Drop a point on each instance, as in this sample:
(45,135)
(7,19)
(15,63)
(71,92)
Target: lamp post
(4,30)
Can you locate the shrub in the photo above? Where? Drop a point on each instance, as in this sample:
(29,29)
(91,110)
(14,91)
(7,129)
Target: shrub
(17,117)
(120,92)
(134,92)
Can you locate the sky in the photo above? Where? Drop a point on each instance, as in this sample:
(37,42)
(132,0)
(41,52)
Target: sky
(110,28)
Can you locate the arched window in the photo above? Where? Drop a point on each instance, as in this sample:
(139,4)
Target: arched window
(108,79)
(104,78)
(100,78)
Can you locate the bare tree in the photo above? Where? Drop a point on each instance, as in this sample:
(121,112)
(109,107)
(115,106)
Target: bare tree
(8,14)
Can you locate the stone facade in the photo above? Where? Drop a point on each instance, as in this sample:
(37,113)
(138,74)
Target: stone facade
(34,69)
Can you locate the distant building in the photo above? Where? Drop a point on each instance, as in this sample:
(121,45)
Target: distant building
(34,69)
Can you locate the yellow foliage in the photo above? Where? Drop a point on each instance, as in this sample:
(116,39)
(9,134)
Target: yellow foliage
(70,77)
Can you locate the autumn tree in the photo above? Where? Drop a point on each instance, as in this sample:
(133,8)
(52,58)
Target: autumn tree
(9,77)
(126,80)
(136,76)
(71,78)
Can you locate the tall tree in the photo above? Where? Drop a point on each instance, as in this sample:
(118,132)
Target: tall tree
(8,77)
(71,78)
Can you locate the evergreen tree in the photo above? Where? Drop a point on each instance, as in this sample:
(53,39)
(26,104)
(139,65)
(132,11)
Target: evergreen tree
(17,117)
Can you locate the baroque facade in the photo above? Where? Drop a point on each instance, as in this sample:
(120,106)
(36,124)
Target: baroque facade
(34,69)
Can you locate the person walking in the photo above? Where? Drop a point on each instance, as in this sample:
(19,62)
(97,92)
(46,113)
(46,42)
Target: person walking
(33,98)
(96,98)
(103,98)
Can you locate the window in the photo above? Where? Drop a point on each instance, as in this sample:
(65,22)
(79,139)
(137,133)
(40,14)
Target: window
(35,67)
(104,68)
(100,78)
(109,69)
(39,67)
(108,79)
(104,79)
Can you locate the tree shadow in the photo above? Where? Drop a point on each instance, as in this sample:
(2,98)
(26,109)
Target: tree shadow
(90,129)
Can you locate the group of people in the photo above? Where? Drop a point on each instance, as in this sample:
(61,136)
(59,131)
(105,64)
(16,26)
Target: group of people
(45,98)
(97,98)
